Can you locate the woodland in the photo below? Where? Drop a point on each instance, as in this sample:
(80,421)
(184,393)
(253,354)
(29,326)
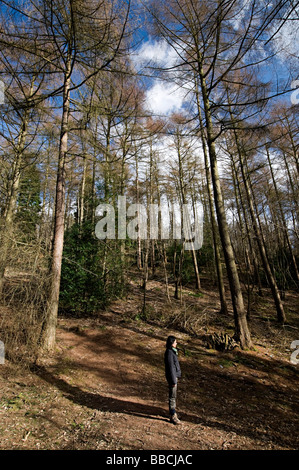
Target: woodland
(81,138)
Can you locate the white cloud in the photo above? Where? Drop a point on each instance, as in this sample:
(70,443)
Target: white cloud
(161,98)
(156,53)
(287,39)
(164,98)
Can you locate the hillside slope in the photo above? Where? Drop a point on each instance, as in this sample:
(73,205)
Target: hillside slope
(104,388)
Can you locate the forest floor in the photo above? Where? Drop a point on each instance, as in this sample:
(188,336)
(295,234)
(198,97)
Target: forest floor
(104,387)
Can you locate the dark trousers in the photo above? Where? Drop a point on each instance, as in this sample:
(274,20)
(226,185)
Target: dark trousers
(172,397)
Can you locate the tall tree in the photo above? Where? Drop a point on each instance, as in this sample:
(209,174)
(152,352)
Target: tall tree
(217,41)
(83,37)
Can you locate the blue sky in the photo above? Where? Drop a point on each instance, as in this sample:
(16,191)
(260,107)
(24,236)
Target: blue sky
(164,98)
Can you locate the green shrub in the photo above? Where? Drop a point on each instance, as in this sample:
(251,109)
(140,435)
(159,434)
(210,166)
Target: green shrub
(91,272)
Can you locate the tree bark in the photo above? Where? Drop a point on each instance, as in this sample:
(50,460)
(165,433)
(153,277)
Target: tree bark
(184,201)
(259,238)
(13,196)
(49,329)
(219,271)
(241,326)
(283,221)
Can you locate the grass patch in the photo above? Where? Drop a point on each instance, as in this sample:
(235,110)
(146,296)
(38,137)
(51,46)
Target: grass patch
(226,363)
(196,294)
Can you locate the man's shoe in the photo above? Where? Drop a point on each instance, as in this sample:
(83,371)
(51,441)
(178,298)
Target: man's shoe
(174,419)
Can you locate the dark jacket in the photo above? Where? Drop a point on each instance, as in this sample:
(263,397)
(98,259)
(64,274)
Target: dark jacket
(172,366)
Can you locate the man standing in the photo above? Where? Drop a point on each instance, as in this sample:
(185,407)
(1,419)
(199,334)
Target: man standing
(172,373)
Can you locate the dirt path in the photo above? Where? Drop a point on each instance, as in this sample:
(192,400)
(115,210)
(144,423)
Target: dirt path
(224,402)
(104,388)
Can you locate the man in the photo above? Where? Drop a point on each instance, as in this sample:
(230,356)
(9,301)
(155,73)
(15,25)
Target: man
(172,373)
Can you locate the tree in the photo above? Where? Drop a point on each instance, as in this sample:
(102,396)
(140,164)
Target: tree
(69,33)
(184,172)
(16,138)
(217,42)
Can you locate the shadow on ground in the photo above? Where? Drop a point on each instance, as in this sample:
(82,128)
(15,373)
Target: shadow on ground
(263,410)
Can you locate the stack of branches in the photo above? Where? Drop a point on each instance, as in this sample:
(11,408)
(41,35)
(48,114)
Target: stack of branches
(221,342)
(191,318)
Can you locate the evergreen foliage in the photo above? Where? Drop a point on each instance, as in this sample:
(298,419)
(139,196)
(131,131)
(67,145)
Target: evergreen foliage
(91,272)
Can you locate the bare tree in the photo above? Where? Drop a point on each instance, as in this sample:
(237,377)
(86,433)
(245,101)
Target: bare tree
(69,28)
(215,44)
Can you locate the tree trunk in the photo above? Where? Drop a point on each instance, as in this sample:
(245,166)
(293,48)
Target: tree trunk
(184,200)
(81,196)
(138,254)
(49,329)
(241,326)
(221,288)
(283,221)
(12,201)
(258,235)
